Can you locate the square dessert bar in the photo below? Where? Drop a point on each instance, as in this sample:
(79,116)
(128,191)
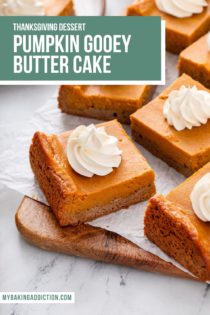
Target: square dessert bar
(104,102)
(186,150)
(180,32)
(75,199)
(195,61)
(171,224)
(59,7)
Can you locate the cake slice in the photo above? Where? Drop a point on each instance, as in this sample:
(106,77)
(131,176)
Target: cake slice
(104,102)
(180,32)
(195,61)
(75,198)
(186,150)
(171,223)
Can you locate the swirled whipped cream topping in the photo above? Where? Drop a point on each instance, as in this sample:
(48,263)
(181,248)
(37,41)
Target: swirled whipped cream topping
(187,107)
(181,8)
(200,198)
(22,7)
(91,151)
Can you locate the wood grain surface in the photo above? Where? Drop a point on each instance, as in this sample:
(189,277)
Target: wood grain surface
(39,227)
(59,7)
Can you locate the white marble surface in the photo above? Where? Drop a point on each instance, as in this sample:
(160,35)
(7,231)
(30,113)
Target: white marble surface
(100,289)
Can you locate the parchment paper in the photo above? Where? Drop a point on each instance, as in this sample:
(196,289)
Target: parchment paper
(15,171)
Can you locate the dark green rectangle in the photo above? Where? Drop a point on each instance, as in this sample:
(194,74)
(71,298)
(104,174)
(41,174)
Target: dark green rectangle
(141,63)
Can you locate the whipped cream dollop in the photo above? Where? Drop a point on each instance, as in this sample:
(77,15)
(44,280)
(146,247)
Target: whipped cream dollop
(91,151)
(187,107)
(22,7)
(181,8)
(200,198)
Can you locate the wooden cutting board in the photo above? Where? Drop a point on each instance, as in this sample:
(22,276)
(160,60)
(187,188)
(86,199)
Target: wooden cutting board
(59,7)
(39,227)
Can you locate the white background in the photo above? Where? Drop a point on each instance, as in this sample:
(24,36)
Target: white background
(100,289)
